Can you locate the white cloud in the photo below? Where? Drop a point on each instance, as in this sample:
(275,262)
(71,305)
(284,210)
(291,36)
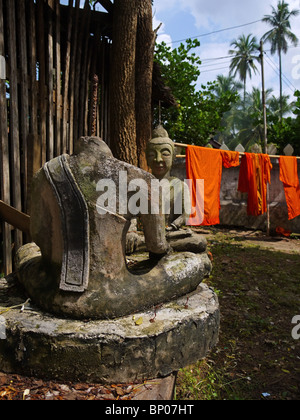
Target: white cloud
(226,13)
(216,15)
(161,35)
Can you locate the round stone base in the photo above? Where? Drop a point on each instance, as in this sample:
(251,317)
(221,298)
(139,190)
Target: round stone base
(144,346)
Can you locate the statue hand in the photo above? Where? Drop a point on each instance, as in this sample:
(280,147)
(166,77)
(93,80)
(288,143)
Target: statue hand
(172,228)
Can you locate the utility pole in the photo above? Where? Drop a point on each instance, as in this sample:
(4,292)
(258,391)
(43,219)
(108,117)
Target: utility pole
(265,126)
(264,96)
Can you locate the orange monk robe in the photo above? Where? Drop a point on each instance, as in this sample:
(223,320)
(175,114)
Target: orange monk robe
(207,164)
(289,176)
(255,173)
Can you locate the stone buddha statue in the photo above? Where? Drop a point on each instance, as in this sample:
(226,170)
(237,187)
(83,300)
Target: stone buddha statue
(160,158)
(161,155)
(77,264)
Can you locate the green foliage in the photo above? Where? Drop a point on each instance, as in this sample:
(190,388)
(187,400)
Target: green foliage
(280,35)
(199,113)
(245,54)
(287,130)
(255,353)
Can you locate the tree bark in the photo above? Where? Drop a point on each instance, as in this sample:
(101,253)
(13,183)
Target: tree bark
(145,43)
(122,89)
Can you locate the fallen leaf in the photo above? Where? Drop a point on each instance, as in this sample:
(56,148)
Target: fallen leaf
(3,379)
(120,392)
(139,321)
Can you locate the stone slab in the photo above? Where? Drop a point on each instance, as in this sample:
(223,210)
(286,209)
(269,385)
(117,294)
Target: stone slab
(123,350)
(157,390)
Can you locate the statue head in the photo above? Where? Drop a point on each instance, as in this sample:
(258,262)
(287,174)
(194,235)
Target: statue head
(96,144)
(160,153)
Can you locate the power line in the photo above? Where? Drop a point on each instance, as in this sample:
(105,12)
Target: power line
(212,65)
(215,32)
(216,58)
(270,62)
(233,55)
(220,68)
(274,66)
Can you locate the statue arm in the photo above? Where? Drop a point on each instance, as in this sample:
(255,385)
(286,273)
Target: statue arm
(154,231)
(182,219)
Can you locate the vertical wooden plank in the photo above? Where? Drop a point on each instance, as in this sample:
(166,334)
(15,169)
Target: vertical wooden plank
(42,77)
(66,80)
(50,69)
(89,91)
(83,70)
(58,102)
(32,58)
(95,68)
(103,92)
(74,43)
(14,115)
(34,157)
(24,107)
(78,69)
(105,83)
(4,157)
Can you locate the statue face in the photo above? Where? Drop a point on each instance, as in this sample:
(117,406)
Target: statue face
(160,159)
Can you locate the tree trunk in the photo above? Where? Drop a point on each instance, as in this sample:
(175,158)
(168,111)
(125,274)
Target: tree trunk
(281,89)
(122,89)
(145,43)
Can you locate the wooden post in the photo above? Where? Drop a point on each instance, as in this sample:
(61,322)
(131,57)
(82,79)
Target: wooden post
(49,81)
(33,122)
(14,116)
(24,100)
(72,104)
(66,119)
(15,218)
(58,101)
(42,77)
(4,157)
(265,127)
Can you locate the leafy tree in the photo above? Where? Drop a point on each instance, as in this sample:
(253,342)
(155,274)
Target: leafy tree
(199,113)
(243,62)
(244,122)
(280,35)
(286,130)
(227,84)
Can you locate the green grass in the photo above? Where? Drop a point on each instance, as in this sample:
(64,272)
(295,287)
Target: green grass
(259,293)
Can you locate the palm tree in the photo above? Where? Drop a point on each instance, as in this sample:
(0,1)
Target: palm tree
(243,62)
(280,35)
(226,84)
(278,106)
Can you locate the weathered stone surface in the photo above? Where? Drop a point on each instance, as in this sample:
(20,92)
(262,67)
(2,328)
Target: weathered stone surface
(173,276)
(112,351)
(78,268)
(182,240)
(157,390)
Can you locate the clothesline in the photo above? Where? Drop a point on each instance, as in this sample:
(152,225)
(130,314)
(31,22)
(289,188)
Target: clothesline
(254,178)
(241,153)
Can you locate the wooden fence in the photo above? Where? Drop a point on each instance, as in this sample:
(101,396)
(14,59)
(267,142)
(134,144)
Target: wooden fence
(54,68)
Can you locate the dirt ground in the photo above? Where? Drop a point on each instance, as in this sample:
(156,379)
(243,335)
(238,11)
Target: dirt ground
(257,280)
(257,238)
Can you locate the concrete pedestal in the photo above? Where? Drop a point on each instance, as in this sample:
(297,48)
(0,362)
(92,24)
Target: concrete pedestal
(144,346)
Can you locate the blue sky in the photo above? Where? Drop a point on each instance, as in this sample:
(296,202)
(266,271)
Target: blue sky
(182,19)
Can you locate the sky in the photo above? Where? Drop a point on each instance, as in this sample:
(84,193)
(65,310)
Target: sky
(182,19)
